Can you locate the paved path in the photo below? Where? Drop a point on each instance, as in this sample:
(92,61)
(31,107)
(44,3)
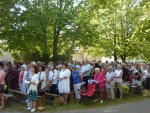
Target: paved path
(140,107)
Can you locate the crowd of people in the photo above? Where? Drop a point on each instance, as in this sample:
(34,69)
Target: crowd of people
(36,78)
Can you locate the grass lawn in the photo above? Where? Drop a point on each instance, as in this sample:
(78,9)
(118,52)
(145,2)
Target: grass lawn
(87,103)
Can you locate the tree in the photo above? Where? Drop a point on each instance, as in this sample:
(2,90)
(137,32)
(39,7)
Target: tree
(117,25)
(49,28)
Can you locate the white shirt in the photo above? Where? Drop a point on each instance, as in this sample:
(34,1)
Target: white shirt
(117,73)
(109,76)
(42,77)
(34,78)
(86,68)
(53,75)
(64,84)
(145,72)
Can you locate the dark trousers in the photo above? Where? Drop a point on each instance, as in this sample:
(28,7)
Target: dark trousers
(85,79)
(53,89)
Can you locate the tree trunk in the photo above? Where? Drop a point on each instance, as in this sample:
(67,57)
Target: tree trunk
(115,55)
(55,48)
(115,51)
(56,36)
(123,58)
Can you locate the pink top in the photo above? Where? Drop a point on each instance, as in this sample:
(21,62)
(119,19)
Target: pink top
(100,78)
(2,81)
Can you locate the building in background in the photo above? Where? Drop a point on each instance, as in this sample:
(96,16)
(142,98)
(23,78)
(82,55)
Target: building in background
(6,57)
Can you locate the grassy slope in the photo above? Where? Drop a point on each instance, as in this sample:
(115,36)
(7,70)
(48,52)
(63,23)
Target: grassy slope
(14,106)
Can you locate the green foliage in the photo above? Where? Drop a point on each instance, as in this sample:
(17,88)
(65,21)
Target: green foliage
(117,26)
(50,30)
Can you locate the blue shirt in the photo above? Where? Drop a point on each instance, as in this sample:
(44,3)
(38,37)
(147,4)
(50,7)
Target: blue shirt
(76,77)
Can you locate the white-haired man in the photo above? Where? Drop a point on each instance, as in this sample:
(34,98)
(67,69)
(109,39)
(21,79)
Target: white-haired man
(125,76)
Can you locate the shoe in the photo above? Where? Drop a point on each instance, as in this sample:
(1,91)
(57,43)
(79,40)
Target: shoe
(95,100)
(29,108)
(27,100)
(101,101)
(2,107)
(33,110)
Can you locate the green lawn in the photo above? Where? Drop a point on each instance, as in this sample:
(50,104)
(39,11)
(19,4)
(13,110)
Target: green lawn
(87,103)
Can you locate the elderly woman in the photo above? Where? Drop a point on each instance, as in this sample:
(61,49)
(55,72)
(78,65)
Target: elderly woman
(64,82)
(77,80)
(100,81)
(110,84)
(2,82)
(118,79)
(22,77)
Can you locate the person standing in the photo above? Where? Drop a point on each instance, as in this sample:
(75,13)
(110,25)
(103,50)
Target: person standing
(7,76)
(125,76)
(32,93)
(42,82)
(118,79)
(28,72)
(77,80)
(2,82)
(53,77)
(22,76)
(110,83)
(86,70)
(14,77)
(137,77)
(100,83)
(59,69)
(64,82)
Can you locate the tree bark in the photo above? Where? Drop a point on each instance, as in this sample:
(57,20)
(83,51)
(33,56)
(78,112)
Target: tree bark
(115,51)
(55,48)
(56,36)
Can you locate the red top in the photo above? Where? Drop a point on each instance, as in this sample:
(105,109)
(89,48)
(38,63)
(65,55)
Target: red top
(100,78)
(102,72)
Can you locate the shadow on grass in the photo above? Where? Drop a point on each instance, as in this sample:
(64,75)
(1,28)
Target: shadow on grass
(86,103)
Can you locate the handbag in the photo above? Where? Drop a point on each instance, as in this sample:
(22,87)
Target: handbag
(50,83)
(39,86)
(4,87)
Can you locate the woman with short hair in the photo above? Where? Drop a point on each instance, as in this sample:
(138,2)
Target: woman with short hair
(22,76)
(100,83)
(64,82)
(77,81)
(110,84)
